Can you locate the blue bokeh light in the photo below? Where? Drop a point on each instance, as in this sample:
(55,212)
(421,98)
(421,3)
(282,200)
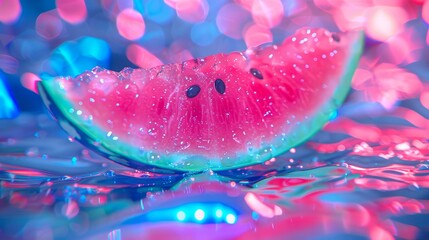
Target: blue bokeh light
(199,215)
(8,108)
(230,218)
(219,213)
(181,215)
(204,34)
(74,57)
(202,213)
(155,10)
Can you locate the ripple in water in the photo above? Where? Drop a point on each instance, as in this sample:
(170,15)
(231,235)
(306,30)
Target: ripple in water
(340,184)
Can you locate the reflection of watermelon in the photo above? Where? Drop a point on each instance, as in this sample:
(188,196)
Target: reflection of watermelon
(219,112)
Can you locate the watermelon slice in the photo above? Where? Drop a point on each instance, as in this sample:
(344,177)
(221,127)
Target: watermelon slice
(219,112)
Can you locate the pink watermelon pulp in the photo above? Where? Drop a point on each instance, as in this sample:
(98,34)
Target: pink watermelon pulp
(219,112)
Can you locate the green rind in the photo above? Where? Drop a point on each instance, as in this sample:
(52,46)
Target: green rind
(121,152)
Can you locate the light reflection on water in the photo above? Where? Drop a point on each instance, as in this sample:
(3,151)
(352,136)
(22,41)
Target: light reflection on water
(365,176)
(338,186)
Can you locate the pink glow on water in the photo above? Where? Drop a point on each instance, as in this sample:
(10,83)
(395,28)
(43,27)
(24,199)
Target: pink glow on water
(412,116)
(256,35)
(193,11)
(357,130)
(369,218)
(72,11)
(347,143)
(18,200)
(49,25)
(379,184)
(10,10)
(27,172)
(281,183)
(70,209)
(267,13)
(262,208)
(388,140)
(97,200)
(29,80)
(394,172)
(405,143)
(142,57)
(130,24)
(231,20)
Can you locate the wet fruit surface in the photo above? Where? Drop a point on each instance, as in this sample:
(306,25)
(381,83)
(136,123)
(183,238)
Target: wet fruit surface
(218,112)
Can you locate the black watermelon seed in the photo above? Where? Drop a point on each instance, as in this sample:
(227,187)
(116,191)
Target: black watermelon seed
(335,37)
(220,86)
(193,91)
(256,73)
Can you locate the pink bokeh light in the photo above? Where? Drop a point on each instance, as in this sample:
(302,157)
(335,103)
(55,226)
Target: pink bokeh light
(264,209)
(29,80)
(256,35)
(130,24)
(72,11)
(381,20)
(231,20)
(10,11)
(49,25)
(424,97)
(194,11)
(268,13)
(386,83)
(425,11)
(384,22)
(178,52)
(142,57)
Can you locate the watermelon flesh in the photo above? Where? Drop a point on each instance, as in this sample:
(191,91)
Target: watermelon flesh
(219,112)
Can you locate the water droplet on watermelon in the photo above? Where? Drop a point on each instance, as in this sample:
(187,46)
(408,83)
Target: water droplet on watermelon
(85,78)
(154,156)
(184,145)
(97,69)
(152,132)
(125,74)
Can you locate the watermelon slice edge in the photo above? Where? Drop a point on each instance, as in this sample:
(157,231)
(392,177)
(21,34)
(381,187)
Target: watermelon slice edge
(122,152)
